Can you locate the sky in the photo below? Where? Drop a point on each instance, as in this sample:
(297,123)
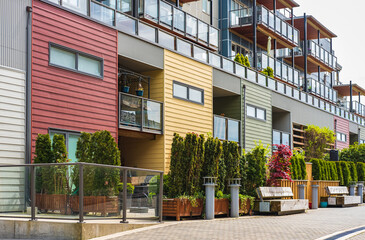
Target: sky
(345,18)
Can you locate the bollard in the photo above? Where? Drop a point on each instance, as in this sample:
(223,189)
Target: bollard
(234,184)
(315,196)
(209,183)
(301,190)
(352,189)
(360,186)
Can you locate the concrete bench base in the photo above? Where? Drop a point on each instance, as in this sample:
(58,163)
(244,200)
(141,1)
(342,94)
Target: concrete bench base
(282,206)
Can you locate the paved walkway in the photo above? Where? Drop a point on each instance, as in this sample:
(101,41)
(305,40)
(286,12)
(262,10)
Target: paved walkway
(311,225)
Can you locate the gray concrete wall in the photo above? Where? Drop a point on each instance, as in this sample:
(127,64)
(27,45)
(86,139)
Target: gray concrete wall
(138,50)
(226,81)
(13,23)
(281,121)
(302,113)
(353,128)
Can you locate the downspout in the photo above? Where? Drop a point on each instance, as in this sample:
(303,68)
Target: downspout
(305,45)
(254,29)
(244,117)
(28,101)
(211,12)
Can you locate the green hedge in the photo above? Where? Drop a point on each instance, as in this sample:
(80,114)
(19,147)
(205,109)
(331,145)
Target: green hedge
(298,166)
(360,167)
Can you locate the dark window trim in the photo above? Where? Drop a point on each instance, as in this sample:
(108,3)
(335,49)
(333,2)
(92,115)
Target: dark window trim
(256,118)
(281,136)
(65,132)
(188,87)
(77,53)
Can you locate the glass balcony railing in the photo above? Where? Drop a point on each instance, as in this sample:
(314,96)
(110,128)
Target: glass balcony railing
(179,21)
(240,17)
(321,90)
(140,113)
(321,54)
(227,128)
(133,26)
(281,70)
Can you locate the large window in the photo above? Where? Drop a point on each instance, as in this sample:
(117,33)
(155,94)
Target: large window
(341,137)
(71,138)
(187,92)
(206,6)
(256,112)
(70,59)
(76,5)
(279,137)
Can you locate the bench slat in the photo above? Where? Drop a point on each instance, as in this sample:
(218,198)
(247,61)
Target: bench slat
(337,190)
(275,192)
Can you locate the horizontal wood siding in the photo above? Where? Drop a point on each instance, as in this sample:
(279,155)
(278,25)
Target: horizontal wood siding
(257,130)
(12,138)
(183,116)
(64,99)
(144,153)
(342,127)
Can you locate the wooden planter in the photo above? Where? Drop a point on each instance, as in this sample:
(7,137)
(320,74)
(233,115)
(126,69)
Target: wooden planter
(96,204)
(221,206)
(51,202)
(181,208)
(245,208)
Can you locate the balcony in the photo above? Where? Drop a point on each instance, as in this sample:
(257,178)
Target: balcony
(227,128)
(176,21)
(268,24)
(321,90)
(317,56)
(140,114)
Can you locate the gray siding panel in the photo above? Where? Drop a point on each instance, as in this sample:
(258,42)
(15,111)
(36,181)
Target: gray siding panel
(13,22)
(256,130)
(362,133)
(302,113)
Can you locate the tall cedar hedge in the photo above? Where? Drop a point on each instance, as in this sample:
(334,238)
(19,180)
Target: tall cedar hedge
(298,166)
(231,157)
(360,166)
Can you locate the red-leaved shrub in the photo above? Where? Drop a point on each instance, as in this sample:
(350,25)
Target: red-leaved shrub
(279,165)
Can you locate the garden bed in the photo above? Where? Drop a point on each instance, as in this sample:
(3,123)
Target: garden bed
(181,208)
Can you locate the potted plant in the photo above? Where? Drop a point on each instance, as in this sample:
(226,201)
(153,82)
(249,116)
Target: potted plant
(139,90)
(246,204)
(126,86)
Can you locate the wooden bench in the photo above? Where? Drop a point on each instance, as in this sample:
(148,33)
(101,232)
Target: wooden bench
(279,200)
(338,196)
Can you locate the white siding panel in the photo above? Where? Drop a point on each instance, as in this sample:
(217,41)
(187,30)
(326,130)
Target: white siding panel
(12,138)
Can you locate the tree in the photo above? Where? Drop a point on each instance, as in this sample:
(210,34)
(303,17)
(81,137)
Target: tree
(279,165)
(316,141)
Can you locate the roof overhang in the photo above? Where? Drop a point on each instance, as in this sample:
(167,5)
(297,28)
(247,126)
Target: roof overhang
(344,90)
(313,25)
(279,4)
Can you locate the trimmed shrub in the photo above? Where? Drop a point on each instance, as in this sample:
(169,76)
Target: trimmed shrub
(212,155)
(334,172)
(355,153)
(316,169)
(360,171)
(294,168)
(268,72)
(177,176)
(339,173)
(231,157)
(43,149)
(346,173)
(353,171)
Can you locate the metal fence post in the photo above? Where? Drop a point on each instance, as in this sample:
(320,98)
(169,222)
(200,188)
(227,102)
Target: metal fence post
(32,193)
(160,200)
(81,193)
(124,196)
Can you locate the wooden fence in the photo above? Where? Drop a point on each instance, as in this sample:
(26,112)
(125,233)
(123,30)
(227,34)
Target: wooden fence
(321,189)
(294,186)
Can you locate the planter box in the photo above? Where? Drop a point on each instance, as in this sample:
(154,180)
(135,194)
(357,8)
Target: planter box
(96,204)
(221,206)
(245,208)
(181,208)
(51,202)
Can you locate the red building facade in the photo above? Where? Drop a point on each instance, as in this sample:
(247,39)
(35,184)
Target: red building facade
(63,98)
(342,130)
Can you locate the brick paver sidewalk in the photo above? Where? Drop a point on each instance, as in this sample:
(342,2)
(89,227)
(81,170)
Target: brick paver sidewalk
(311,225)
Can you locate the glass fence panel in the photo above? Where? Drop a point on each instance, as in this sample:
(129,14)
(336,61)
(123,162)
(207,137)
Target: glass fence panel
(272,63)
(261,79)
(285,72)
(152,113)
(13,191)
(179,20)
(315,102)
(290,32)
(183,47)
(233,130)
(57,190)
(309,99)
(166,40)
(321,105)
(288,91)
(280,87)
(166,13)
(271,83)
(228,65)
(264,62)
(131,111)
(125,23)
(290,74)
(143,189)
(203,31)
(220,128)
(102,13)
(296,36)
(213,36)
(191,26)
(251,75)
(264,15)
(151,9)
(278,24)
(296,77)
(284,29)
(241,71)
(215,60)
(200,53)
(278,68)
(303,96)
(296,94)
(146,32)
(271,20)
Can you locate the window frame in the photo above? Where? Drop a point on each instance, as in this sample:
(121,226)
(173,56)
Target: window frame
(188,92)
(65,132)
(256,118)
(77,53)
(341,134)
(206,9)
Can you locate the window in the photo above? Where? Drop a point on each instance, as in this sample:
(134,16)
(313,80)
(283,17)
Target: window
(76,5)
(362,141)
(206,6)
(341,137)
(188,92)
(71,138)
(239,49)
(70,59)
(279,137)
(256,112)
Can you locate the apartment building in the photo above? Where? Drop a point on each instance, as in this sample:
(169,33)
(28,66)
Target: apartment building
(147,69)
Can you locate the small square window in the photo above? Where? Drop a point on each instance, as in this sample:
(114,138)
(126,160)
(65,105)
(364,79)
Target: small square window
(195,95)
(180,91)
(261,114)
(251,111)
